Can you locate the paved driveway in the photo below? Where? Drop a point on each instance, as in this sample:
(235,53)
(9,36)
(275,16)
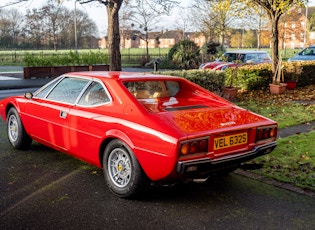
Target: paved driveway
(45,189)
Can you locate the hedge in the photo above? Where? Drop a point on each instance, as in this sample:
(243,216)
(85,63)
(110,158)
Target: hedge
(253,77)
(208,79)
(68,59)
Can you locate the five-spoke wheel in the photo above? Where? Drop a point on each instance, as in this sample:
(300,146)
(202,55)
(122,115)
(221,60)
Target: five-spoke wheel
(17,135)
(123,174)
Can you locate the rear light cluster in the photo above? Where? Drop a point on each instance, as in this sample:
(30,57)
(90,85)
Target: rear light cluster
(264,133)
(194,146)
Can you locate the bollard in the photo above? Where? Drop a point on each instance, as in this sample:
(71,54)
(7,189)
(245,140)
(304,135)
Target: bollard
(155,65)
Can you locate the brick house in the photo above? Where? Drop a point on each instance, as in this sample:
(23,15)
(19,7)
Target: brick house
(292,27)
(153,40)
(170,37)
(197,37)
(102,43)
(129,39)
(295,29)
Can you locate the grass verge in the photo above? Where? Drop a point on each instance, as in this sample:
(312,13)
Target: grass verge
(293,161)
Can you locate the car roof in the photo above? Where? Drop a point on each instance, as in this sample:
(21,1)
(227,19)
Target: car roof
(119,75)
(245,51)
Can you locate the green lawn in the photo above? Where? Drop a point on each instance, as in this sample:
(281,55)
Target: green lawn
(293,161)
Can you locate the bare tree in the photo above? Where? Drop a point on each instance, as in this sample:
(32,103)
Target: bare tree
(113,7)
(185,21)
(16,25)
(51,19)
(11,22)
(145,17)
(33,28)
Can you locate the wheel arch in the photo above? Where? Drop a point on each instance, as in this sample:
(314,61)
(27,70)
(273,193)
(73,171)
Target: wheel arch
(8,107)
(113,135)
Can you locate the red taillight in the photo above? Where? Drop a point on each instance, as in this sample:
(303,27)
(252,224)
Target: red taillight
(194,146)
(203,145)
(264,133)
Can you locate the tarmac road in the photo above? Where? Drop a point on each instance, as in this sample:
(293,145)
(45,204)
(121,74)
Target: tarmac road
(45,189)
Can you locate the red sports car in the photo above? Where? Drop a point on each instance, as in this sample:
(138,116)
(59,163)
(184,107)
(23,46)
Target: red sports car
(140,128)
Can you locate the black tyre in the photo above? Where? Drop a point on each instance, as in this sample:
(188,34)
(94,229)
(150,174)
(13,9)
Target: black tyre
(123,174)
(17,135)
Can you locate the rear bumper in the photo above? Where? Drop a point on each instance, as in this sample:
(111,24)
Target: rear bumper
(206,166)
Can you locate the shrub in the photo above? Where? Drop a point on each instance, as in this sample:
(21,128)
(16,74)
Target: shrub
(251,77)
(208,79)
(303,72)
(185,54)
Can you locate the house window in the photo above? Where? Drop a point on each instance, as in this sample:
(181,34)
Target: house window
(292,36)
(293,25)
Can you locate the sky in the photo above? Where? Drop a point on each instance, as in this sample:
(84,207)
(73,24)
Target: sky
(97,12)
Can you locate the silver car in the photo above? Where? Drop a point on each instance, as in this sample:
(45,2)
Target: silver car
(308,54)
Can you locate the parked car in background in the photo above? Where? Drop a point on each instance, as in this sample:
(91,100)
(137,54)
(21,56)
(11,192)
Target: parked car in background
(140,128)
(307,54)
(242,57)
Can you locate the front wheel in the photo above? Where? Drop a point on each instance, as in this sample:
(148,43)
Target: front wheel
(17,135)
(123,174)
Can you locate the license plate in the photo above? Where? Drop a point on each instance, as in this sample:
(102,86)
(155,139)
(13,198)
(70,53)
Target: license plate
(230,141)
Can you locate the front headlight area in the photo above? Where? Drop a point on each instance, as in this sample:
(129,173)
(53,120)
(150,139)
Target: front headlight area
(265,134)
(194,146)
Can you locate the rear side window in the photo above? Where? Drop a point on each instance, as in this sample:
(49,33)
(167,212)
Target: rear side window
(95,94)
(68,90)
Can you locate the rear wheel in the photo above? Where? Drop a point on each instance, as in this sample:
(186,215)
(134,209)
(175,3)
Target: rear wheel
(17,135)
(123,174)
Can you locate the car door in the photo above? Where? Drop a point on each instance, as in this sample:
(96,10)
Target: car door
(86,124)
(48,114)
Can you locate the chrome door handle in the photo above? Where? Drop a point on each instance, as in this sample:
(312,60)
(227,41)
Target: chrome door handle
(63,114)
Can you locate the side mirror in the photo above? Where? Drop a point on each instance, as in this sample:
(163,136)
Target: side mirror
(28,95)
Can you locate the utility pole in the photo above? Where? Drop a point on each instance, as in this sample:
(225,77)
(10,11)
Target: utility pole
(75,27)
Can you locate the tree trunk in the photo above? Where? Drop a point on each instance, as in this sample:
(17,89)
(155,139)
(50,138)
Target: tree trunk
(274,40)
(114,35)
